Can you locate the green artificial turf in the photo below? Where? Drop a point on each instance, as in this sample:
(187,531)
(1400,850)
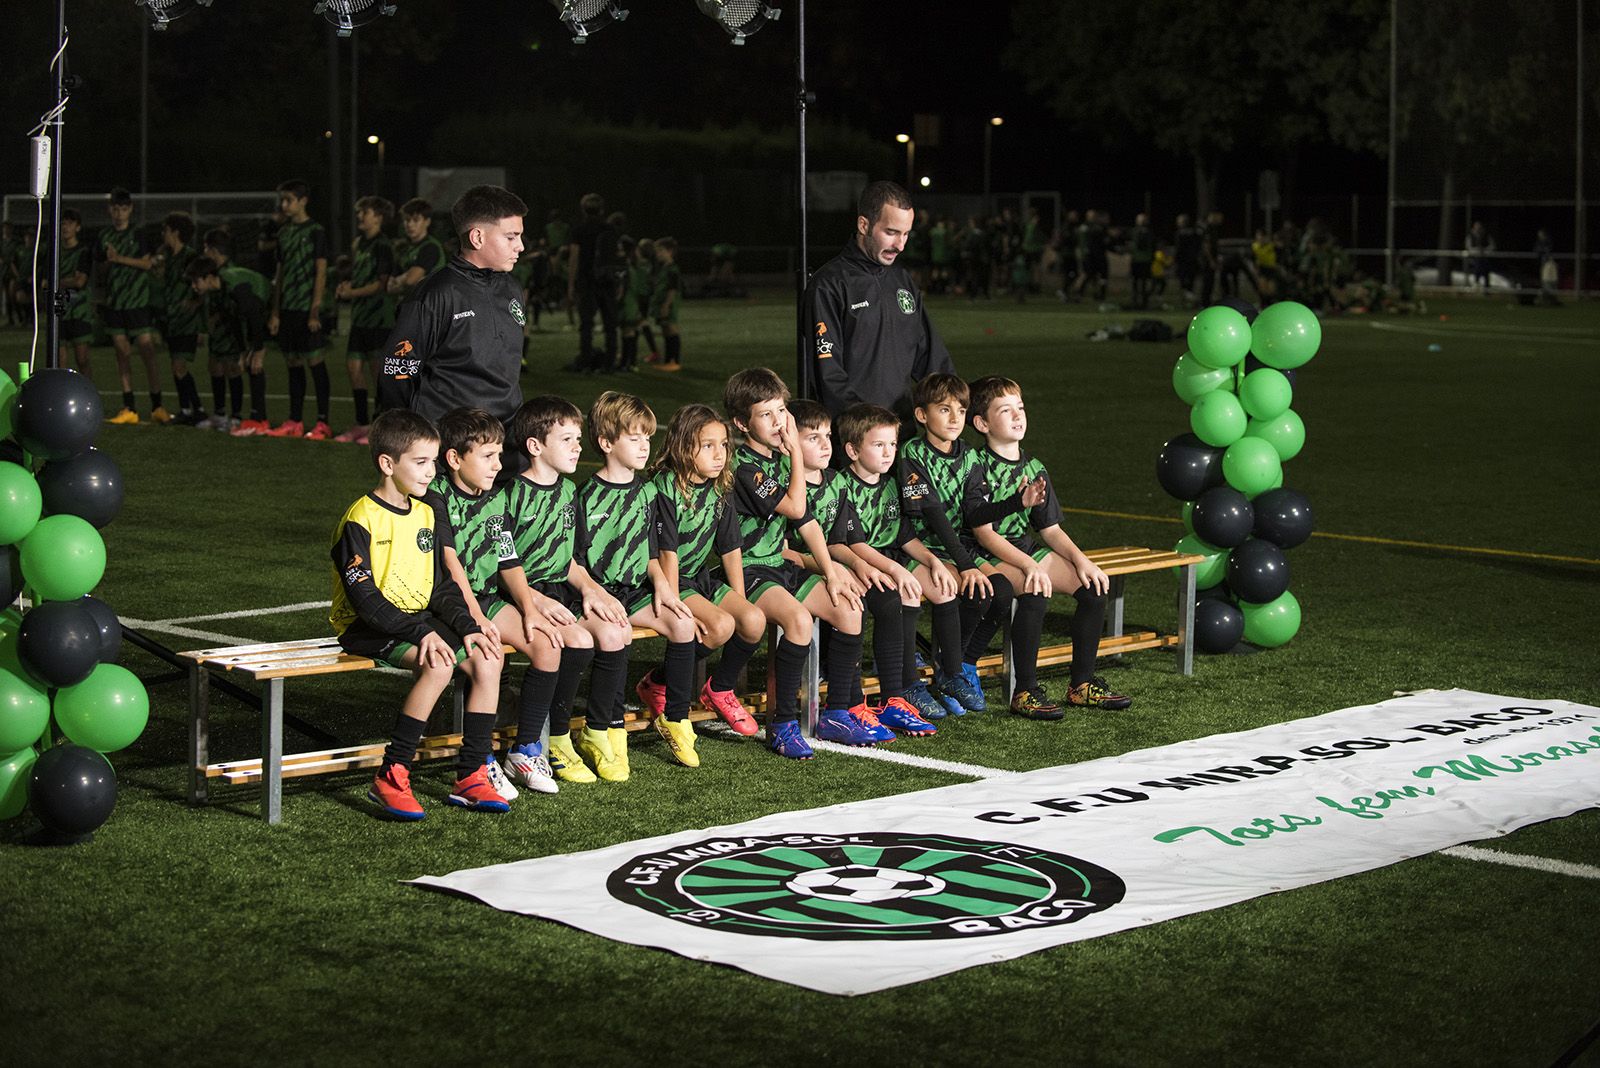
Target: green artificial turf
(183,935)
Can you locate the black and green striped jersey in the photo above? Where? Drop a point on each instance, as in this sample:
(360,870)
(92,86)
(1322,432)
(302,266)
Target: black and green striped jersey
(826,502)
(543,526)
(371,260)
(300,246)
(73,261)
(475,527)
(616,537)
(930,479)
(759,484)
(668,279)
(238,312)
(875,509)
(184,311)
(126,287)
(427,254)
(1001,477)
(693,526)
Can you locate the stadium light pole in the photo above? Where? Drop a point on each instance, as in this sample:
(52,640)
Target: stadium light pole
(1579,221)
(374,139)
(1394,106)
(802,278)
(911,157)
(988,155)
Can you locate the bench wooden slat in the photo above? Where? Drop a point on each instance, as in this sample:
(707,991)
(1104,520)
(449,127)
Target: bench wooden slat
(264,647)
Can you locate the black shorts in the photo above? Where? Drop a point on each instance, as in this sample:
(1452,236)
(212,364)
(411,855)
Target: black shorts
(758,578)
(74,329)
(365,341)
(633,598)
(1139,270)
(184,346)
(707,584)
(128,321)
(898,555)
(294,333)
(363,640)
(563,592)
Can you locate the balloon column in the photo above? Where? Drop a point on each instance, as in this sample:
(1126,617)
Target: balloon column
(1238,378)
(58,657)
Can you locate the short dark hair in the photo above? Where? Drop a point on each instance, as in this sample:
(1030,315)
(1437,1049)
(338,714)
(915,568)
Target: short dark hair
(180,223)
(858,419)
(537,417)
(875,196)
(395,431)
(940,387)
(379,206)
(984,392)
(219,240)
(67,215)
(417,206)
(297,189)
(200,267)
(484,204)
(462,428)
(809,415)
(670,244)
(592,204)
(750,387)
(119,195)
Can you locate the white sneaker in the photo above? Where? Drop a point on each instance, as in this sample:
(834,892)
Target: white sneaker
(531,771)
(497,779)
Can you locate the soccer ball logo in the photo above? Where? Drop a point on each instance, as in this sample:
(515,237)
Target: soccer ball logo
(865,884)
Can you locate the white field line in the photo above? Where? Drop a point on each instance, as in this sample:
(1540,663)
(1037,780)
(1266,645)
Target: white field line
(1475,332)
(952,767)
(303,606)
(1518,860)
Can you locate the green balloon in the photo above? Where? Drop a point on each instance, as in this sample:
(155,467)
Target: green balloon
(1219,337)
(14,771)
(106,711)
(63,558)
(1286,433)
(20,503)
(1192,379)
(1208,572)
(1270,625)
(1276,483)
(1285,335)
(10,661)
(1251,465)
(1188,516)
(24,712)
(8,405)
(1265,393)
(1218,419)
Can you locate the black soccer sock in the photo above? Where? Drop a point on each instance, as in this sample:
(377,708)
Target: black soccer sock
(883,606)
(606,681)
(297,393)
(188,398)
(219,394)
(630,350)
(701,651)
(735,655)
(1088,620)
(402,747)
(533,703)
(235,396)
(677,670)
(999,608)
(1027,626)
(127,399)
(790,659)
(477,741)
(674,348)
(324,389)
(574,662)
(258,395)
(844,670)
(947,636)
(360,397)
(908,645)
(650,338)
(155,399)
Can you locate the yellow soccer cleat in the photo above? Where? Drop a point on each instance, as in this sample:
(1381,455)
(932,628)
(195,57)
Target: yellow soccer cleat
(564,761)
(596,746)
(680,740)
(126,417)
(158,414)
(618,737)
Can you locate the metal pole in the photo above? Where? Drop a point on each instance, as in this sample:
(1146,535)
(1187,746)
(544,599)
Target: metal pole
(1580,222)
(988,147)
(54,310)
(802,272)
(355,116)
(1394,120)
(1355,221)
(335,218)
(144,114)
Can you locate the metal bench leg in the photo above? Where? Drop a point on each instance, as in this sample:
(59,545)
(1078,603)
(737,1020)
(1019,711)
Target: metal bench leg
(1007,656)
(199,731)
(458,703)
(1114,616)
(272,752)
(772,674)
(1185,646)
(811,682)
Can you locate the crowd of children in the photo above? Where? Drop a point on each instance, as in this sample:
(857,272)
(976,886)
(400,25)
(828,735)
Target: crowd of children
(451,559)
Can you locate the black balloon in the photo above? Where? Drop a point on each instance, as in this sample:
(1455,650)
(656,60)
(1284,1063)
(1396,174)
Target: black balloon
(1253,364)
(58,642)
(1219,592)
(88,485)
(1283,517)
(1257,571)
(10,575)
(72,790)
(1187,467)
(109,627)
(1218,626)
(58,413)
(1222,517)
(11,453)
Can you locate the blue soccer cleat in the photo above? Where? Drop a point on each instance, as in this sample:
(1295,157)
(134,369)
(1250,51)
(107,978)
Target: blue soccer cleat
(970,673)
(963,689)
(786,740)
(927,706)
(898,713)
(840,725)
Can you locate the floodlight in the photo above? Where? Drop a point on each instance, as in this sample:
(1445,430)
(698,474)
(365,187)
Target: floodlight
(997,121)
(162,12)
(583,17)
(740,18)
(346,15)
(904,139)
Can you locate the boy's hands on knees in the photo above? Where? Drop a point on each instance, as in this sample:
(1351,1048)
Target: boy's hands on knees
(597,602)
(482,645)
(486,625)
(553,610)
(434,651)
(1036,580)
(944,582)
(871,578)
(1091,576)
(840,586)
(537,629)
(668,603)
(908,586)
(976,584)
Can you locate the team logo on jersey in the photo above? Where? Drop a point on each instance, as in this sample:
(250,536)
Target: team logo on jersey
(568,518)
(908,303)
(892,512)
(425,539)
(914,488)
(822,328)
(824,346)
(865,887)
(517,313)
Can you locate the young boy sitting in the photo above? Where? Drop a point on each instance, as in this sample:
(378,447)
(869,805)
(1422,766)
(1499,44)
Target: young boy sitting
(541,506)
(616,544)
(482,559)
(769,494)
(1035,571)
(392,601)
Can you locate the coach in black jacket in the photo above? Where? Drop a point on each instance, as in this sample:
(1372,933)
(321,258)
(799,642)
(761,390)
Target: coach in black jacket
(457,339)
(871,336)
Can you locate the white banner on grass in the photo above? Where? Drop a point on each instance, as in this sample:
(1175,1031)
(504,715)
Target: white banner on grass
(874,894)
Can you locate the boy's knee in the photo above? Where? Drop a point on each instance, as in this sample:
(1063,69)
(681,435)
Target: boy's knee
(721,630)
(576,637)
(1088,598)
